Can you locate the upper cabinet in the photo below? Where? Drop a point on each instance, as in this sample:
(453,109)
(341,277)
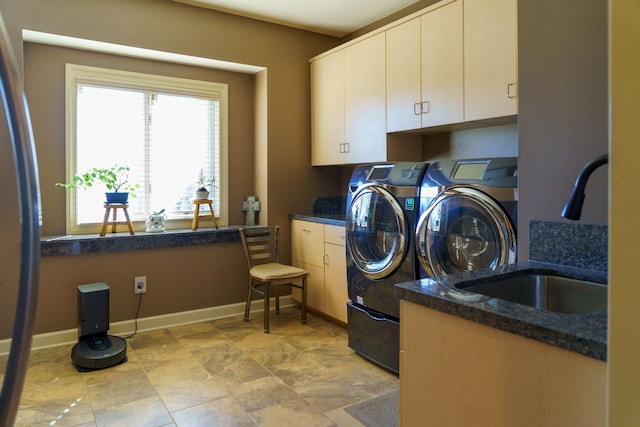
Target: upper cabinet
(453,62)
(327,110)
(425,70)
(490,59)
(348,104)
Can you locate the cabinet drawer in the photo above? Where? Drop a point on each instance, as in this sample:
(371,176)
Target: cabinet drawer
(334,234)
(307,242)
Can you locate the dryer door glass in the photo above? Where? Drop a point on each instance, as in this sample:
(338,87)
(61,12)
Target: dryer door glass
(464,229)
(377,232)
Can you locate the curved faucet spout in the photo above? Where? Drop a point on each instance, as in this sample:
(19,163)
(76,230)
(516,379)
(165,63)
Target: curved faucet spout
(573,208)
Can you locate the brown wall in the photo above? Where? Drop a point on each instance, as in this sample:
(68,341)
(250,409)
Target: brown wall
(182,278)
(46,97)
(563,101)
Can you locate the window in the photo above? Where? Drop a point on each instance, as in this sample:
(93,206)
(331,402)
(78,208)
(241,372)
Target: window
(169,131)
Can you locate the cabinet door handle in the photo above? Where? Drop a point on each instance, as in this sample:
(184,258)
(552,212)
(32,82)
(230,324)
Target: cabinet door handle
(417,109)
(326,259)
(347,147)
(306,230)
(512,90)
(425,107)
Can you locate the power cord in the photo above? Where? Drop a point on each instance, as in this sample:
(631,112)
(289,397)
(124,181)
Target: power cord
(136,317)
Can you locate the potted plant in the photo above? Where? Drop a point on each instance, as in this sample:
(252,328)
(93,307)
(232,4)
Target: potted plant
(155,222)
(115,179)
(202,193)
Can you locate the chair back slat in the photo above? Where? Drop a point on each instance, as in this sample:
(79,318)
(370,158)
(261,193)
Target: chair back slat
(260,244)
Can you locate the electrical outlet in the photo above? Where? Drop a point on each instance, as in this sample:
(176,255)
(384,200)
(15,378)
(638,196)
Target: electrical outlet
(140,285)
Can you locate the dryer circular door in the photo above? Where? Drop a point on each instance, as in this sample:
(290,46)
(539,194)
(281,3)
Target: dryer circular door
(377,234)
(464,229)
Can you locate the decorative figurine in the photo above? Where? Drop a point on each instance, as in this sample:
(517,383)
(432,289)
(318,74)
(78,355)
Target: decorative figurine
(251,206)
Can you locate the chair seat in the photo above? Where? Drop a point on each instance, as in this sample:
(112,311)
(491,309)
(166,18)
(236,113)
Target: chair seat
(274,270)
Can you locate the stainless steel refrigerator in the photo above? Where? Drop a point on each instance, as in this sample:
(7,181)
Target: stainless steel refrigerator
(19,125)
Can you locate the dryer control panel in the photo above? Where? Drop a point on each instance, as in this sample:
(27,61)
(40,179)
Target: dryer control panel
(495,172)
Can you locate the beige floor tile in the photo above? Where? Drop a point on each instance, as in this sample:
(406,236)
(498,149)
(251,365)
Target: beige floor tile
(342,418)
(121,391)
(262,393)
(192,328)
(221,412)
(222,372)
(295,412)
(60,413)
(148,412)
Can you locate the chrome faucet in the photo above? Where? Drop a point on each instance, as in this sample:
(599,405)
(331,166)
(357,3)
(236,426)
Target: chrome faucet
(573,208)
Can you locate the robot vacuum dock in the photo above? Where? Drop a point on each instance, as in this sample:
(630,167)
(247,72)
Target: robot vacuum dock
(95,348)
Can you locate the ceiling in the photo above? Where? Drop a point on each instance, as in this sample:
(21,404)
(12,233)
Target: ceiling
(331,17)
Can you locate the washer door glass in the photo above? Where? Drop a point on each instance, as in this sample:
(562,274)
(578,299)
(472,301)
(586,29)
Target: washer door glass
(464,229)
(377,233)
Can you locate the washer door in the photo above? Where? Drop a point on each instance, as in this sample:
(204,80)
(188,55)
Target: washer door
(464,229)
(377,233)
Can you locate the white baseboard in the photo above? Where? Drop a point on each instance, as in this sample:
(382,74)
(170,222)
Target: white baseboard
(126,327)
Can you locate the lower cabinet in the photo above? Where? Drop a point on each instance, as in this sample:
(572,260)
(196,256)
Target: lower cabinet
(455,372)
(320,249)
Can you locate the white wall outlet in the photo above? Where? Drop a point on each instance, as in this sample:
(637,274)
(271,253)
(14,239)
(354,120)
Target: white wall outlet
(140,285)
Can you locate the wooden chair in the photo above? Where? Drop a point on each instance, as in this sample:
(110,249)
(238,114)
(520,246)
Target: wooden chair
(266,274)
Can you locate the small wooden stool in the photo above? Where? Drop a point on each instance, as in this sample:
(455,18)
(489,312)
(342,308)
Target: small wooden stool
(105,221)
(197,216)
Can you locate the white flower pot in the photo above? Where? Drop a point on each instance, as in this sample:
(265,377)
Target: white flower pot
(202,195)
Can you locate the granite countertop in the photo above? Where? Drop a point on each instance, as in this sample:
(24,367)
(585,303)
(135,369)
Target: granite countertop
(581,333)
(331,219)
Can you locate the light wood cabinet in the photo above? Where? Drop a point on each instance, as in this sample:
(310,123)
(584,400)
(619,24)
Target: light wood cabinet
(327,110)
(442,79)
(455,372)
(455,63)
(335,273)
(365,109)
(321,250)
(490,58)
(424,70)
(404,92)
(348,104)
(307,251)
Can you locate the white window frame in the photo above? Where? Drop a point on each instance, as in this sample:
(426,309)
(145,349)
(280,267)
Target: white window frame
(79,74)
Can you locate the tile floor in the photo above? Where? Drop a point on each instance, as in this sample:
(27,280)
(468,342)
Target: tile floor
(219,373)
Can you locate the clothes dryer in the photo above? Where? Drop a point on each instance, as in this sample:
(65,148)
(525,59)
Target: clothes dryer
(467,216)
(380,227)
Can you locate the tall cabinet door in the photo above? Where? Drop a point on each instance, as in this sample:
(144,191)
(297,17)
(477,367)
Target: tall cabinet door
(442,66)
(365,111)
(403,76)
(336,294)
(327,110)
(490,46)
(307,251)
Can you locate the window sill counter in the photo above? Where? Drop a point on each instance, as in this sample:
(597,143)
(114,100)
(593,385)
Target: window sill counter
(124,242)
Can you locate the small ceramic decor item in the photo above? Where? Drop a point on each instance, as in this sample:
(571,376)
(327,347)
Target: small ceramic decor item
(155,222)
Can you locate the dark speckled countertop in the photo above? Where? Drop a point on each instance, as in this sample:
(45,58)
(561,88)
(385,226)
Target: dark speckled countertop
(331,219)
(559,242)
(582,333)
(326,210)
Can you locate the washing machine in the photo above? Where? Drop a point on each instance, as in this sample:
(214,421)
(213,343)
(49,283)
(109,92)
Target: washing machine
(381,218)
(467,216)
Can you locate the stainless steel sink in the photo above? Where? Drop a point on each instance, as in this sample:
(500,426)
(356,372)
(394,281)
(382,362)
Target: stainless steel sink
(544,291)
